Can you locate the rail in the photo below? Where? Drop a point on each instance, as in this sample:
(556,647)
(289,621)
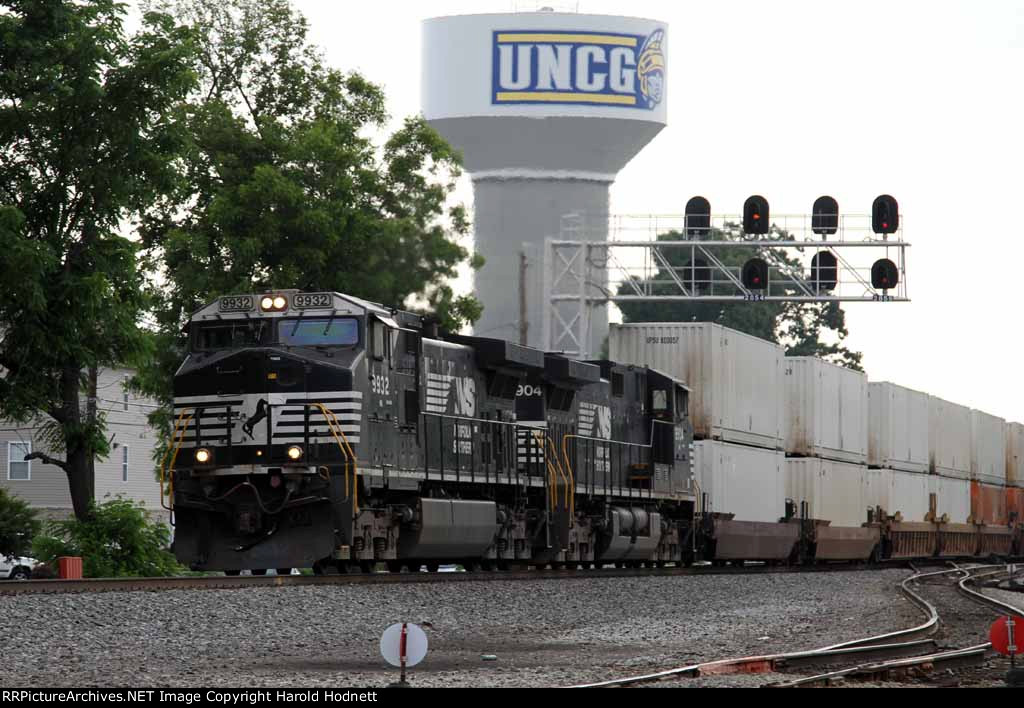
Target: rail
(771,662)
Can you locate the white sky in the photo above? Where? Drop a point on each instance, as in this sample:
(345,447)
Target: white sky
(925,101)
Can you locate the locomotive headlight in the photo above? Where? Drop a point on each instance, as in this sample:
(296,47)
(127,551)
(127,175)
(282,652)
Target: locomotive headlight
(280,303)
(295,453)
(202,455)
(267,303)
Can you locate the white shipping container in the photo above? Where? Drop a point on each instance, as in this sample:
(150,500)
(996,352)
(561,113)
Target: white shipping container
(836,491)
(1014,455)
(988,448)
(735,379)
(741,480)
(877,487)
(952,498)
(908,495)
(826,410)
(949,438)
(897,428)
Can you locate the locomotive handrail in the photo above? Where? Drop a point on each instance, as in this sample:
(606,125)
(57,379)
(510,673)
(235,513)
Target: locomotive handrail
(335,427)
(552,485)
(177,438)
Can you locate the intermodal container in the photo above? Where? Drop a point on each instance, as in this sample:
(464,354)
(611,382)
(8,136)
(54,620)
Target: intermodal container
(906,493)
(826,410)
(897,428)
(833,491)
(988,504)
(988,449)
(745,481)
(949,438)
(1015,504)
(735,379)
(952,498)
(1014,455)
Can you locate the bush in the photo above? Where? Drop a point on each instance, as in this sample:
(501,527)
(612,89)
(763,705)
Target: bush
(18,525)
(117,540)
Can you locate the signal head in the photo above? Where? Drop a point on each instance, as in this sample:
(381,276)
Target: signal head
(825,216)
(885,215)
(755,215)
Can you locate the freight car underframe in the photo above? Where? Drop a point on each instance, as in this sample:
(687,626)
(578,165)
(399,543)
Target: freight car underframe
(722,539)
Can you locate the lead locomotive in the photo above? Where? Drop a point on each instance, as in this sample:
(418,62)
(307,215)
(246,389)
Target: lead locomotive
(319,430)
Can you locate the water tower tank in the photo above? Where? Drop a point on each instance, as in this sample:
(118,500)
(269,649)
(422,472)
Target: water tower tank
(546,108)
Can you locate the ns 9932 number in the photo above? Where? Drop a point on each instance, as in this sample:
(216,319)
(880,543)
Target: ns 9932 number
(239,303)
(312,300)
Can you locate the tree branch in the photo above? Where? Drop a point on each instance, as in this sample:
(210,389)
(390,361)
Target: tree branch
(46,459)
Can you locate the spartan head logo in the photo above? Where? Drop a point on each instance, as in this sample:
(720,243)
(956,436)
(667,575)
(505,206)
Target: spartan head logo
(650,68)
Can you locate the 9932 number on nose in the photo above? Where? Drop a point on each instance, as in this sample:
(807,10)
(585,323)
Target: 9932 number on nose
(312,300)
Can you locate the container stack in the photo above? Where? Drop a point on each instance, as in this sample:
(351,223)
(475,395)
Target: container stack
(826,441)
(898,450)
(736,408)
(949,458)
(1015,472)
(988,469)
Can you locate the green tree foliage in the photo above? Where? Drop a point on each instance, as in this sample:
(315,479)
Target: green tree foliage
(804,329)
(87,140)
(116,540)
(18,525)
(285,188)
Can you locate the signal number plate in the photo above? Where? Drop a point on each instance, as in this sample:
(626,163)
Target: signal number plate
(312,300)
(240,303)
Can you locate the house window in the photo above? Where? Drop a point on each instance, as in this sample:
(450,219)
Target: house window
(17,469)
(124,463)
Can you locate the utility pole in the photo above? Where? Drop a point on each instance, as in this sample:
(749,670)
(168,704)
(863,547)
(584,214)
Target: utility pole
(524,324)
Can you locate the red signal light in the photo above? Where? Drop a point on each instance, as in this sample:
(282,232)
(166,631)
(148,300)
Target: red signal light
(757,217)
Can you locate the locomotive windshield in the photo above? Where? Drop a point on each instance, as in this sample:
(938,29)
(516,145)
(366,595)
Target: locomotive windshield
(320,332)
(230,335)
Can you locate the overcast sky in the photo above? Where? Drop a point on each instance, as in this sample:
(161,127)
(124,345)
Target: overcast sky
(922,100)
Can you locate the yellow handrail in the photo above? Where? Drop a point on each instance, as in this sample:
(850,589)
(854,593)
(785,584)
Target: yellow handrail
(558,466)
(572,477)
(551,474)
(335,427)
(177,437)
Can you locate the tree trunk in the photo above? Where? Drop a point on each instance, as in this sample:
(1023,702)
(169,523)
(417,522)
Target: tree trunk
(78,458)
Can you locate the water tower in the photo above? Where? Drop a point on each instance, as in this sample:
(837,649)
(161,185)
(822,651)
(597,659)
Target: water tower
(546,108)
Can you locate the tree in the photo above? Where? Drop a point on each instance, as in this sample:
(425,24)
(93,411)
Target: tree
(18,525)
(88,137)
(802,328)
(285,188)
(116,540)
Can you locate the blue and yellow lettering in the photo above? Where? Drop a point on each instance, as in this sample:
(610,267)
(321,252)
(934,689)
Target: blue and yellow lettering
(598,68)
(586,78)
(522,67)
(554,65)
(622,71)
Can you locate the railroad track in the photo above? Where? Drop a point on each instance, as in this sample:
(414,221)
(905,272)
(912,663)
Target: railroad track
(26,587)
(875,657)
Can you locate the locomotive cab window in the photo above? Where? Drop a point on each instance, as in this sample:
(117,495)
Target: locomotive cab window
(229,335)
(319,332)
(659,400)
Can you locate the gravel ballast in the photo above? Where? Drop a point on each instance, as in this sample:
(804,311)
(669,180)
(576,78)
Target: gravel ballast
(543,632)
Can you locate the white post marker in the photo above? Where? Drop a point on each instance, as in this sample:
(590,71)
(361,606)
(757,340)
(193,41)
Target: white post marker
(402,645)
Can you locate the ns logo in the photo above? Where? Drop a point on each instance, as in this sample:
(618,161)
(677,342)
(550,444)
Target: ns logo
(595,68)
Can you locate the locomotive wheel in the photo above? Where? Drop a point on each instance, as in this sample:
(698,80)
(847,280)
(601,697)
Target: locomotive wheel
(231,573)
(395,566)
(366,566)
(283,571)
(258,571)
(487,565)
(503,565)
(432,567)
(557,565)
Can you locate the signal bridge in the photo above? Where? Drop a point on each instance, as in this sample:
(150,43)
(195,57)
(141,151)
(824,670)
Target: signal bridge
(697,257)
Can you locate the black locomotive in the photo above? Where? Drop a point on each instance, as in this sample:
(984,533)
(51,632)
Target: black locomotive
(319,430)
